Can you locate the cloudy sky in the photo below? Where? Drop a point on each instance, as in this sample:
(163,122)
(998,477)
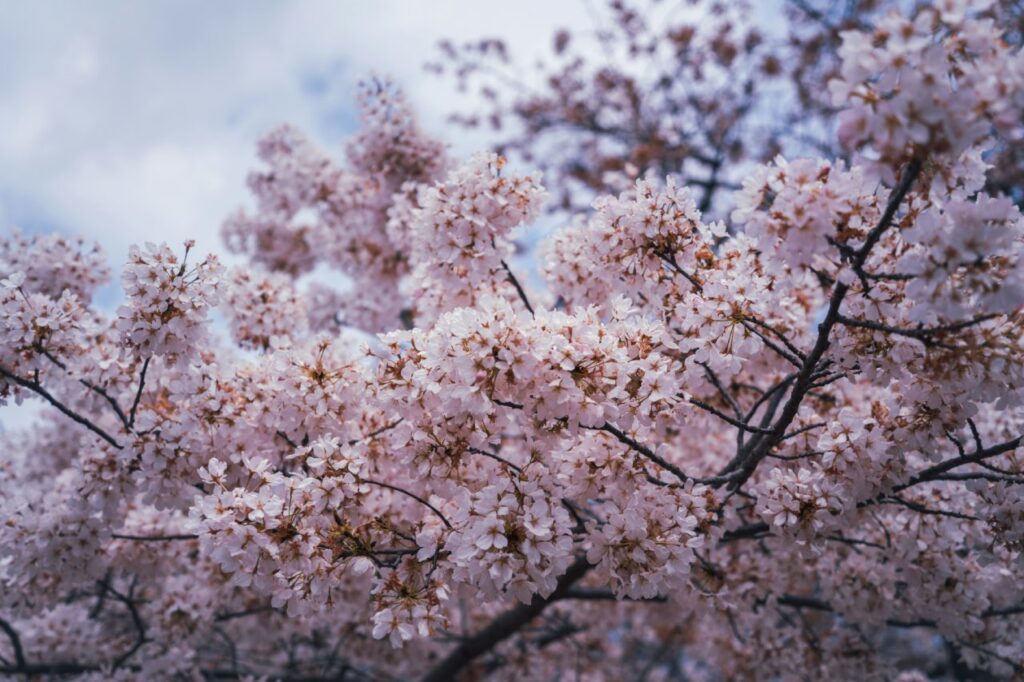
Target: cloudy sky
(133,121)
(127,122)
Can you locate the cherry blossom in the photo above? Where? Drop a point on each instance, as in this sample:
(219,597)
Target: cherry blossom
(784,444)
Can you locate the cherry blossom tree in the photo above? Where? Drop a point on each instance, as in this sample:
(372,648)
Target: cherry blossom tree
(781,445)
(693,89)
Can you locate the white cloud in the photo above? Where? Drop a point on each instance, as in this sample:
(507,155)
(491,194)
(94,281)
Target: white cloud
(127,122)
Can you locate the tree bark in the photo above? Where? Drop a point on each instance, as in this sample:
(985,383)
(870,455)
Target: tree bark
(502,627)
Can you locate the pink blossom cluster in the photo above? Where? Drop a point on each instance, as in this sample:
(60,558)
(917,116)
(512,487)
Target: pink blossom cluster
(965,256)
(938,81)
(647,545)
(791,209)
(34,324)
(631,246)
(52,264)
(357,220)
(263,309)
(461,229)
(511,537)
(280,533)
(167,301)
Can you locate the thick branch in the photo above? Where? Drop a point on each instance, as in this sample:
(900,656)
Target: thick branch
(37,388)
(761,447)
(501,628)
(19,653)
(936,472)
(155,538)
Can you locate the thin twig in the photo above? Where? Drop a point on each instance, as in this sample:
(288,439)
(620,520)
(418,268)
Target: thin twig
(411,495)
(642,449)
(37,388)
(155,538)
(138,393)
(922,333)
(726,418)
(519,288)
(98,390)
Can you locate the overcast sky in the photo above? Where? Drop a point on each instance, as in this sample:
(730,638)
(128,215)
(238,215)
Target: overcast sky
(133,121)
(127,122)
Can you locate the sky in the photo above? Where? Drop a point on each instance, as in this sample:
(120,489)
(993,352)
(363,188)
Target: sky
(127,122)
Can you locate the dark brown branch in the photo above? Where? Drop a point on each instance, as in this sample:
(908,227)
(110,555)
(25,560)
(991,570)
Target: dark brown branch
(1004,611)
(12,634)
(37,388)
(801,602)
(495,457)
(411,495)
(592,594)
(713,377)
(978,445)
(98,390)
(854,541)
(934,472)
(803,429)
(670,260)
(753,530)
(643,450)
(137,622)
(726,418)
(922,333)
(790,346)
(794,458)
(32,669)
(155,538)
(910,173)
(232,615)
(377,432)
(138,393)
(519,288)
(981,476)
(788,357)
(760,447)
(284,436)
(921,509)
(501,628)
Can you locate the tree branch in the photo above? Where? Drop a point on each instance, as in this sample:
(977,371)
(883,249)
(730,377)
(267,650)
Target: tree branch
(12,634)
(642,449)
(411,495)
(502,627)
(154,538)
(519,288)
(138,393)
(37,388)
(935,472)
(761,447)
